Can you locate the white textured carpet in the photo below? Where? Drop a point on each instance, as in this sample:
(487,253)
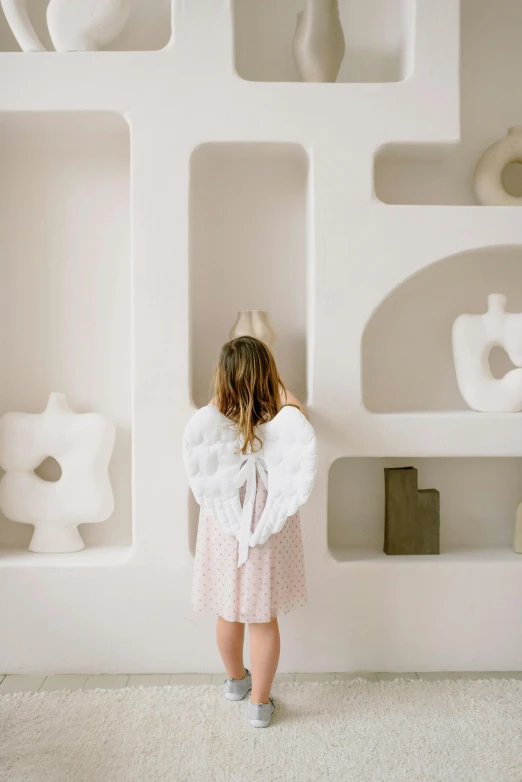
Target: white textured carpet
(400,731)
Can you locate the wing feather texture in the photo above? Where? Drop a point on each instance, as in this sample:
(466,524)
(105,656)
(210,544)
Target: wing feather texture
(216,470)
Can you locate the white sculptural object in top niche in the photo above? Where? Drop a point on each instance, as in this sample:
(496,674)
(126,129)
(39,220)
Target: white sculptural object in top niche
(82,445)
(74,25)
(319,45)
(474,336)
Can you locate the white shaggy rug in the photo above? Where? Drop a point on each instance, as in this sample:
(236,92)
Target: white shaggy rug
(399,731)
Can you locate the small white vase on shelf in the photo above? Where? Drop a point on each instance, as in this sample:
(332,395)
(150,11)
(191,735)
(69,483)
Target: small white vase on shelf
(517,531)
(74,25)
(319,45)
(254,323)
(82,445)
(489,188)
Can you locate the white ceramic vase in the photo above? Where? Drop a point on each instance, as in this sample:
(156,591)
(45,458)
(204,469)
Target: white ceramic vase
(489,188)
(82,445)
(254,323)
(473,337)
(319,45)
(74,25)
(517,531)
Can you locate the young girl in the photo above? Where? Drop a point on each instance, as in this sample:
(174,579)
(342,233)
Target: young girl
(249,392)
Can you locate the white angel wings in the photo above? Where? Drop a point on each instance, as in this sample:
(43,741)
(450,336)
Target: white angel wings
(216,470)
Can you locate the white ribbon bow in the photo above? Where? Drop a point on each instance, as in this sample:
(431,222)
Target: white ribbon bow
(253,463)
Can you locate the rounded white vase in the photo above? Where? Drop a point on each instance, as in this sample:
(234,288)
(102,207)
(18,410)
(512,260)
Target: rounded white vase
(254,323)
(319,45)
(487,180)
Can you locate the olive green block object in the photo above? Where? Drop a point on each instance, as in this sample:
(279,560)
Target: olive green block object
(412,516)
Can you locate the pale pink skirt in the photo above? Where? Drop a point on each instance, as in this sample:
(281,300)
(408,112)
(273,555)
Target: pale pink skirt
(271,582)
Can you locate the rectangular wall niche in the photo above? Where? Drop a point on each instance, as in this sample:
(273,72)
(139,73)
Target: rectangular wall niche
(149,27)
(65,283)
(478,501)
(378,33)
(490,67)
(248,250)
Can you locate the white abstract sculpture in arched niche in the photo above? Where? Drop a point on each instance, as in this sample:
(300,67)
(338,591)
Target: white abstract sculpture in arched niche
(474,336)
(82,444)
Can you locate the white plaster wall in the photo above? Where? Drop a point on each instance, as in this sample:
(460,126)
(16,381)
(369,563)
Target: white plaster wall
(133,614)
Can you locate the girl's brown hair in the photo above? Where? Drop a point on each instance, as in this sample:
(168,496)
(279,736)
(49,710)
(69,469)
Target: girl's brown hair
(247,387)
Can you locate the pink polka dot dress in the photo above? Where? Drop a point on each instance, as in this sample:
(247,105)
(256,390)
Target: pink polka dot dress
(271,581)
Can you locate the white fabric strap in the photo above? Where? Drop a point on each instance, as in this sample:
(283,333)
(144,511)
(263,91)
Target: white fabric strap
(252,463)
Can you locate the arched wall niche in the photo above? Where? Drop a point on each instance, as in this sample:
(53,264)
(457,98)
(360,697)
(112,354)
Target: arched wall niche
(406,356)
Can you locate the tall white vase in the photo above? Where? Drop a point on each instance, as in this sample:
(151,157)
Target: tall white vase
(319,45)
(517,531)
(254,323)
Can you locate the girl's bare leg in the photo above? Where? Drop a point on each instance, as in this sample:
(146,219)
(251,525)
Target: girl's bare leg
(230,638)
(264,656)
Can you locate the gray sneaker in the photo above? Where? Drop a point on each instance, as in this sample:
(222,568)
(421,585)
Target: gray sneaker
(236,689)
(261,713)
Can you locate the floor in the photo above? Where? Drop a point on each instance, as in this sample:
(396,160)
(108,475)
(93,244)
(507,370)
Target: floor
(29,683)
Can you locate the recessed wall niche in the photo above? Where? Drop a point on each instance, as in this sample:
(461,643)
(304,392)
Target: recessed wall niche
(248,250)
(149,27)
(65,284)
(478,502)
(407,358)
(491,63)
(378,34)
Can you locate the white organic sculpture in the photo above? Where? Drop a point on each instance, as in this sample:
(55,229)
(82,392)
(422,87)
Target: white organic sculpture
(74,25)
(517,531)
(319,44)
(488,172)
(82,445)
(473,338)
(254,323)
